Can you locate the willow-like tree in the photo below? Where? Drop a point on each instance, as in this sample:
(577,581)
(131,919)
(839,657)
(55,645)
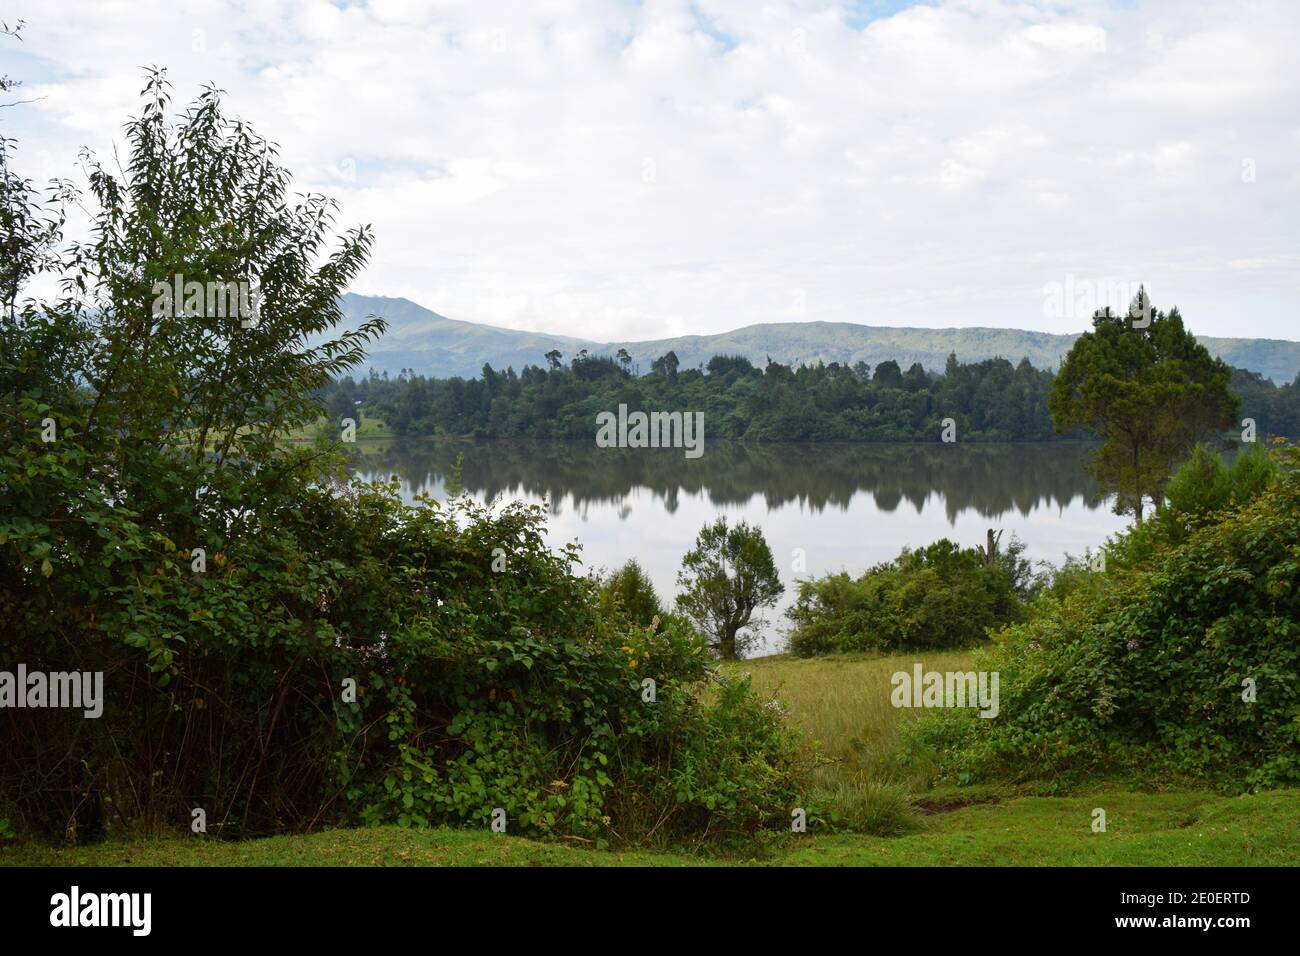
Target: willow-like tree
(1150,392)
(725,578)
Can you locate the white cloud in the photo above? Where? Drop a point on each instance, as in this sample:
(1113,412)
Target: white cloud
(619,170)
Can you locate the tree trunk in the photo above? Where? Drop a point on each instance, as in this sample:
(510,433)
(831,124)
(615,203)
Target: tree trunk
(991,549)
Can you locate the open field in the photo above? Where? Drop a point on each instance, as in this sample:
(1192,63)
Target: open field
(369,429)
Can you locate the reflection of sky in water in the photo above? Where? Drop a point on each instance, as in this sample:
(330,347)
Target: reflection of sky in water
(850,538)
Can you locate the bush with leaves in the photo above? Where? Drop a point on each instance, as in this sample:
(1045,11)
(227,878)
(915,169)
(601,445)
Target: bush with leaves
(940,596)
(1187,664)
(627,593)
(1202,486)
(281,646)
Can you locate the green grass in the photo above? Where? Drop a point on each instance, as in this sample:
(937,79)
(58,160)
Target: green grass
(372,846)
(370,429)
(1169,829)
(843,704)
(1142,829)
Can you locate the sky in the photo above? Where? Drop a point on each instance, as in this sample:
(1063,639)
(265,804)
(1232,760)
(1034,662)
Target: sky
(625,171)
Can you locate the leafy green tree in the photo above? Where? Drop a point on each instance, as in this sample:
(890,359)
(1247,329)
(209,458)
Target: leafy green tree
(628,591)
(1149,392)
(725,578)
(413,407)
(888,375)
(139,457)
(553,359)
(666,365)
(916,378)
(205,200)
(730,365)
(340,406)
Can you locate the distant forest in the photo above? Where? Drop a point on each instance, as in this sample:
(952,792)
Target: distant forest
(991,400)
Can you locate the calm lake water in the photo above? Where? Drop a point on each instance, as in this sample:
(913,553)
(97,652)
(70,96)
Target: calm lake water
(845,506)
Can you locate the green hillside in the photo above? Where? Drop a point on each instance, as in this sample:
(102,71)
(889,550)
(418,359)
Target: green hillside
(434,345)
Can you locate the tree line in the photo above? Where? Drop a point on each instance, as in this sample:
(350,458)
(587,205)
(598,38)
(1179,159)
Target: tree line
(990,400)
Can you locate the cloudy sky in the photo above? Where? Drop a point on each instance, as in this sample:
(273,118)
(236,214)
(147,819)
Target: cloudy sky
(622,170)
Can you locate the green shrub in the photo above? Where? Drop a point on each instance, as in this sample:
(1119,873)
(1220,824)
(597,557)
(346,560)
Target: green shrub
(1188,666)
(737,766)
(940,596)
(476,689)
(628,594)
(1201,487)
(283,647)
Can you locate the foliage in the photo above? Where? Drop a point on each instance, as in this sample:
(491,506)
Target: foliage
(1149,392)
(937,597)
(8,83)
(282,647)
(627,593)
(727,576)
(1187,663)
(991,400)
(1275,410)
(1205,485)
(1202,487)
(437,347)
(206,200)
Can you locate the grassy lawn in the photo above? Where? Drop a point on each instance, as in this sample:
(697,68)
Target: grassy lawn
(1172,829)
(374,846)
(1168,829)
(370,429)
(843,704)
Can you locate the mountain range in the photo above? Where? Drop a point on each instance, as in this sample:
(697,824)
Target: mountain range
(434,345)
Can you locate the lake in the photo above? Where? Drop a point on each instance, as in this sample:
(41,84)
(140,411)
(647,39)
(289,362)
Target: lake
(844,507)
